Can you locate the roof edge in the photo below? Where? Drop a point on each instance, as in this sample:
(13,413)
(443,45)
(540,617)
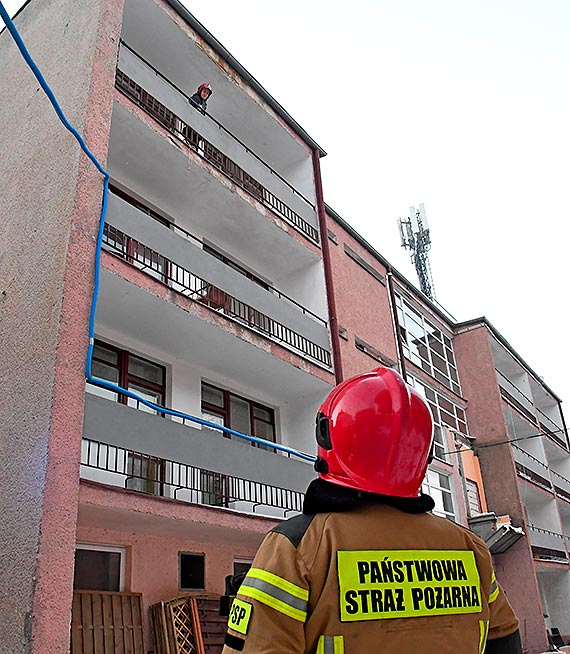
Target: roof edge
(455,325)
(213,42)
(442,313)
(482,320)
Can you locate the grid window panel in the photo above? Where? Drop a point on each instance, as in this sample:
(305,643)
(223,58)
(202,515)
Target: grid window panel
(445,414)
(436,484)
(426,346)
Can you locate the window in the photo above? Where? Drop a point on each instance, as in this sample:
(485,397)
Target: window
(191,571)
(473,497)
(141,376)
(242,566)
(436,484)
(145,473)
(426,346)
(246,416)
(445,414)
(99,567)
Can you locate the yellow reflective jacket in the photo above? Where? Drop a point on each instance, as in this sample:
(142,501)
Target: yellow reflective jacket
(370,580)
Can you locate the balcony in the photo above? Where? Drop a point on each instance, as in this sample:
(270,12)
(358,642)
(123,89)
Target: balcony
(547,545)
(137,451)
(168,49)
(552,430)
(181,263)
(169,107)
(515,397)
(561,485)
(532,469)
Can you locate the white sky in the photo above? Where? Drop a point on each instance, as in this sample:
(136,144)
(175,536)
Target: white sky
(460,104)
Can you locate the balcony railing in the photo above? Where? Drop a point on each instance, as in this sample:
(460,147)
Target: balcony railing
(531,468)
(561,485)
(185,282)
(517,404)
(211,154)
(117,466)
(552,430)
(197,241)
(547,544)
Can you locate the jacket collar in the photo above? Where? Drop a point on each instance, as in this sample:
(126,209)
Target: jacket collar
(323,497)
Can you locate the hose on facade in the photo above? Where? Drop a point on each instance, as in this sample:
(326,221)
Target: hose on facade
(88,364)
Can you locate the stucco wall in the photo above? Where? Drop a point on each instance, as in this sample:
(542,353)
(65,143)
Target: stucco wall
(362,303)
(514,568)
(46,251)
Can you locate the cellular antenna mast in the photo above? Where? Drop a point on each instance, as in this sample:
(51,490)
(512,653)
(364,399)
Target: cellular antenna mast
(414,232)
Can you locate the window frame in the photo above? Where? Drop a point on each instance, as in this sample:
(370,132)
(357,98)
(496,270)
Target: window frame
(113,549)
(435,400)
(225,411)
(126,378)
(196,554)
(427,487)
(432,333)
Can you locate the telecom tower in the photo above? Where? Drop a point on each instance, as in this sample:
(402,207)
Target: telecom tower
(414,233)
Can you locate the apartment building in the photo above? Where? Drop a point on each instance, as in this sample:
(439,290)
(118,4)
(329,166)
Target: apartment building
(211,303)
(216,284)
(485,400)
(518,422)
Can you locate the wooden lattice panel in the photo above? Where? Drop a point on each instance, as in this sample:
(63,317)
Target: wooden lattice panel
(176,627)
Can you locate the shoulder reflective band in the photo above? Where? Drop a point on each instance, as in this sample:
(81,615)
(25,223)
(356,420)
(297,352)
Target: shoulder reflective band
(240,613)
(378,584)
(494,589)
(330,645)
(483,631)
(276,592)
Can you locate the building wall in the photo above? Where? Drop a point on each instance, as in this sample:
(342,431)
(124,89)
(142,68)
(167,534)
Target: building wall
(153,532)
(515,568)
(362,303)
(47,249)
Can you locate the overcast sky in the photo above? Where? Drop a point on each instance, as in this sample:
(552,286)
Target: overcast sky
(460,104)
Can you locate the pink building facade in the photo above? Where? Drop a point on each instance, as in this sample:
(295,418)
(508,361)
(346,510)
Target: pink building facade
(512,474)
(212,303)
(228,292)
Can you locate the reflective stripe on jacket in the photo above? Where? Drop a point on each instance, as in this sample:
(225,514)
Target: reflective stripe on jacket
(373,579)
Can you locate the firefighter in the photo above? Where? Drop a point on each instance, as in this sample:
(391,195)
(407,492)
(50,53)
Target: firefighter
(200,98)
(367,568)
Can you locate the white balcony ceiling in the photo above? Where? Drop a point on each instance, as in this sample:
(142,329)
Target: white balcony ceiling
(127,309)
(150,32)
(153,167)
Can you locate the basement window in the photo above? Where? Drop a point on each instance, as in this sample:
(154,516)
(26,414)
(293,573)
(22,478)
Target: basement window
(191,571)
(99,567)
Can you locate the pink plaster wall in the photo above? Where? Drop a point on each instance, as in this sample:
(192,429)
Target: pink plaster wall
(362,304)
(52,198)
(152,551)
(515,568)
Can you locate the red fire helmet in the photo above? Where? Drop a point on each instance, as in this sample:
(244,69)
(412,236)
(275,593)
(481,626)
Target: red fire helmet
(374,434)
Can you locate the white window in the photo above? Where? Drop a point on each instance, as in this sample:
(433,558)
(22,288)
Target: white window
(426,345)
(99,567)
(473,497)
(437,485)
(445,414)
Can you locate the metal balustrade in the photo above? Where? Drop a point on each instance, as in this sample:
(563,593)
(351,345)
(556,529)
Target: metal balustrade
(185,282)
(211,154)
(547,544)
(132,470)
(200,243)
(526,471)
(561,485)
